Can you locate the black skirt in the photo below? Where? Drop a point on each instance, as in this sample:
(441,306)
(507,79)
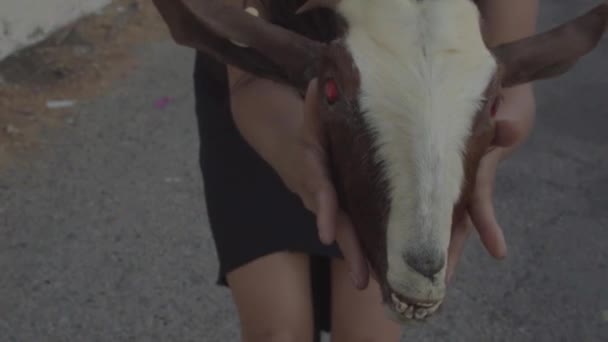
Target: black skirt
(250,211)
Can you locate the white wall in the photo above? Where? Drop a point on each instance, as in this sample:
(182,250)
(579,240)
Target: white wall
(25,22)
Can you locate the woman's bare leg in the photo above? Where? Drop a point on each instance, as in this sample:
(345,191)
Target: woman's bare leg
(358,315)
(273,297)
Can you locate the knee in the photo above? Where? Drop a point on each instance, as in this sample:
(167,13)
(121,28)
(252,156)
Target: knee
(276,335)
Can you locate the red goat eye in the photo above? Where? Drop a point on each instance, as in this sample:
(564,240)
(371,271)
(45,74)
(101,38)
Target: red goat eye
(331,91)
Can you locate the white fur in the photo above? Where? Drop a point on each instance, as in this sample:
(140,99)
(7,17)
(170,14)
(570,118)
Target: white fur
(424,68)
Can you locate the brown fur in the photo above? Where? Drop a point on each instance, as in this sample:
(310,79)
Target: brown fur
(357,172)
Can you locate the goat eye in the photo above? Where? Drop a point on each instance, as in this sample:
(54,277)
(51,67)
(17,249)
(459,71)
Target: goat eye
(331,91)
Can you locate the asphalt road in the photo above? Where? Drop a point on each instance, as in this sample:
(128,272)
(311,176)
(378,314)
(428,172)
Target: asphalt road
(103,235)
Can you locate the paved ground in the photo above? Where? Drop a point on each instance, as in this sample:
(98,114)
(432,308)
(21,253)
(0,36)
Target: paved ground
(103,236)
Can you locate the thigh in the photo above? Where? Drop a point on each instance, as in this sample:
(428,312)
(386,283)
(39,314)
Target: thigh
(273,297)
(358,315)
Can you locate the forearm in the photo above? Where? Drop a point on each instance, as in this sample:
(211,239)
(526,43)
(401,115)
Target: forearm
(266,113)
(508,20)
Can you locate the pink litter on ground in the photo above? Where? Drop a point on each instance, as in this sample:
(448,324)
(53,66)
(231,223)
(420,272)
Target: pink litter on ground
(163,102)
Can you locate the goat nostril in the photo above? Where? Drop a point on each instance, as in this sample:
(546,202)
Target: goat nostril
(427,263)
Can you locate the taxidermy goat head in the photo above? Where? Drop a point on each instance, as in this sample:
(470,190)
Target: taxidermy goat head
(407,94)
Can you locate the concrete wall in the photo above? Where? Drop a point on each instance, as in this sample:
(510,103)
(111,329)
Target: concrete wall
(26,22)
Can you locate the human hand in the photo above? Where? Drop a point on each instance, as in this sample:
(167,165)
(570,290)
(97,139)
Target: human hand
(514,121)
(312,182)
(299,159)
(294,146)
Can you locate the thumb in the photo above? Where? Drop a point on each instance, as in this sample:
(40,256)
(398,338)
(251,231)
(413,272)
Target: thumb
(350,247)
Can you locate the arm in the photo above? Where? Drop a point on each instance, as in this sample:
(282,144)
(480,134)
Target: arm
(284,130)
(267,114)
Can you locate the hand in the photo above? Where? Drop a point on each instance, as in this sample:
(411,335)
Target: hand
(319,194)
(514,123)
(292,143)
(312,182)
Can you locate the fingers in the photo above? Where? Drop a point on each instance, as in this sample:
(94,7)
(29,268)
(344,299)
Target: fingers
(490,232)
(320,189)
(327,209)
(318,195)
(460,234)
(513,123)
(333,224)
(351,249)
(482,212)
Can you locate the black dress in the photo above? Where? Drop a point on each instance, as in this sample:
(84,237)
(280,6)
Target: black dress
(251,213)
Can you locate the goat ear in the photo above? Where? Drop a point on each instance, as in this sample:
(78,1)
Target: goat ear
(554,52)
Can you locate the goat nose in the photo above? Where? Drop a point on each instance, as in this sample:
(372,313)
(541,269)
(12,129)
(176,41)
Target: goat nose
(426,262)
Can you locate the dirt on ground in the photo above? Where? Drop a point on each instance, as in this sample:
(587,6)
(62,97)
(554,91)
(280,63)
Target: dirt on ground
(43,84)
